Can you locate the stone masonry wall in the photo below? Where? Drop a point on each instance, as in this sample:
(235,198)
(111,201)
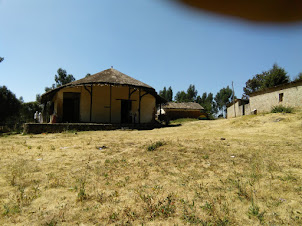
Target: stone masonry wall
(289,97)
(239,109)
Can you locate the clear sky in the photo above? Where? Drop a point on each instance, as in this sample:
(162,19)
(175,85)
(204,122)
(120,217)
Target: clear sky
(155,41)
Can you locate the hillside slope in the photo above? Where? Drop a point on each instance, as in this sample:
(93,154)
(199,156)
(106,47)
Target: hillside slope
(241,171)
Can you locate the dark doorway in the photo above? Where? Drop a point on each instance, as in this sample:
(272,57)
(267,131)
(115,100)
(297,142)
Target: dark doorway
(125,111)
(71,107)
(281,97)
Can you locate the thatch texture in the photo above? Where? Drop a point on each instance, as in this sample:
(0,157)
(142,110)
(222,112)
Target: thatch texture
(106,77)
(110,76)
(184,106)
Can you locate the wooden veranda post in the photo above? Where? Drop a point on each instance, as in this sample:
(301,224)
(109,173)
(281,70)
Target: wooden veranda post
(234,99)
(110,103)
(91,102)
(139,106)
(90,93)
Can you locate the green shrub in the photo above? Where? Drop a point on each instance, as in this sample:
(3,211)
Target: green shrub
(155,145)
(281,109)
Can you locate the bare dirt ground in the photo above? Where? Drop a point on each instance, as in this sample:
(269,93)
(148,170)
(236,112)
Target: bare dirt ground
(243,171)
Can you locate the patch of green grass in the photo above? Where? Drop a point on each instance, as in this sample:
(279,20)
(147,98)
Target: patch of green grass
(159,207)
(254,210)
(114,217)
(11,209)
(70,131)
(288,177)
(154,146)
(281,109)
(81,189)
(183,120)
(191,218)
(205,156)
(241,187)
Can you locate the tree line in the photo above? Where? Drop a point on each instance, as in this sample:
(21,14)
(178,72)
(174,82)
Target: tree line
(267,79)
(14,112)
(214,105)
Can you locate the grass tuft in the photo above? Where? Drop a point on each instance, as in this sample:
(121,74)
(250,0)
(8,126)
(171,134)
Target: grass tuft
(254,210)
(281,109)
(183,120)
(155,145)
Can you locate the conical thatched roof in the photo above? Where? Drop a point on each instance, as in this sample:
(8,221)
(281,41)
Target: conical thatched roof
(109,77)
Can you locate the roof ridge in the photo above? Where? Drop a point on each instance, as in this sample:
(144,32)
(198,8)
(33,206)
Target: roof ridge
(110,76)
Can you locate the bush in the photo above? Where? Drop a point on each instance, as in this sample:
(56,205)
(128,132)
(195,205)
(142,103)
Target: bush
(154,146)
(10,105)
(281,109)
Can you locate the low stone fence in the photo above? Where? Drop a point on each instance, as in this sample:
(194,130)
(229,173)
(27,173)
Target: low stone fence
(61,127)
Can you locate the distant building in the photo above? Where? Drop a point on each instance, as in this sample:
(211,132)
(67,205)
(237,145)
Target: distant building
(240,108)
(288,95)
(182,110)
(105,97)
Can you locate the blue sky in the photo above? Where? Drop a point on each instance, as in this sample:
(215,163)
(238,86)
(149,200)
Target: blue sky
(155,41)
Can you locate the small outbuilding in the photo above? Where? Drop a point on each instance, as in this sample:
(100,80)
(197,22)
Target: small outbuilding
(238,108)
(105,97)
(174,110)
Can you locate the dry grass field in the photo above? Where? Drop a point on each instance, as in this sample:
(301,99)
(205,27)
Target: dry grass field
(243,171)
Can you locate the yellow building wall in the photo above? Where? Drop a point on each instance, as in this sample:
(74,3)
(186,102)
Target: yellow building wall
(148,109)
(58,102)
(101,103)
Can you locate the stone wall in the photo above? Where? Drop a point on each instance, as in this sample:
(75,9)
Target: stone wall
(231,111)
(240,109)
(288,97)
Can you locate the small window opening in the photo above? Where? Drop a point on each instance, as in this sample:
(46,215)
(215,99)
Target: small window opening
(280,97)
